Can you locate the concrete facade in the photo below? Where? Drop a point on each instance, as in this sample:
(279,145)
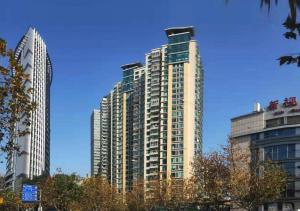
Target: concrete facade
(33,158)
(274,132)
(161,106)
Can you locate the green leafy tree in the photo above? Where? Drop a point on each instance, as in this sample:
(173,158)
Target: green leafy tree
(15,102)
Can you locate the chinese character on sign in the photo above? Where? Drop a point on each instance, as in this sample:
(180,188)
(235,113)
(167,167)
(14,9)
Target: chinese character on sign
(289,102)
(273,105)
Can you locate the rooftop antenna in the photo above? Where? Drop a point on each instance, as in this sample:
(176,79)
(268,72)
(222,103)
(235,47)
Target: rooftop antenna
(257,107)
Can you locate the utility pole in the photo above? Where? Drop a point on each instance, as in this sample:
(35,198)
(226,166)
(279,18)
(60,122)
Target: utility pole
(40,202)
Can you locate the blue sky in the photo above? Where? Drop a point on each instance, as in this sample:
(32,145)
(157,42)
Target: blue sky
(88,41)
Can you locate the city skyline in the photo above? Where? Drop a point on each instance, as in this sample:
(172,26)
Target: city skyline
(87,60)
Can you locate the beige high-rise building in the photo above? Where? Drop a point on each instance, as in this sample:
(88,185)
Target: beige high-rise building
(156,114)
(173,106)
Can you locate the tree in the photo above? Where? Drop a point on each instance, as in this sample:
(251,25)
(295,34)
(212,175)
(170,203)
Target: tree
(234,176)
(170,194)
(61,191)
(254,183)
(156,193)
(135,198)
(211,174)
(11,200)
(15,102)
(182,193)
(292,26)
(98,194)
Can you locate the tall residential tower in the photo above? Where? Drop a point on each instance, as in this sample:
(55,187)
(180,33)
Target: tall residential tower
(33,158)
(156,114)
(95,142)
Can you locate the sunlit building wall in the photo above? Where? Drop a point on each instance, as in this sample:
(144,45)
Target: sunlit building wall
(33,158)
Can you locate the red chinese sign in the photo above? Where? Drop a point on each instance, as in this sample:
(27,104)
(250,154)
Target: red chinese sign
(289,102)
(273,105)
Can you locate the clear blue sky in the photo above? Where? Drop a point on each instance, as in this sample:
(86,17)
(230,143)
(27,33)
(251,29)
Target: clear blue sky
(88,41)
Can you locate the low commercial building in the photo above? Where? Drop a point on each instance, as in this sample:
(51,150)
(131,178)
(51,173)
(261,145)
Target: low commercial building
(274,133)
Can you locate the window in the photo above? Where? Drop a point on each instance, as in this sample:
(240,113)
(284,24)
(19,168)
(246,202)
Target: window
(289,167)
(290,190)
(255,137)
(280,133)
(178,57)
(291,151)
(268,153)
(178,47)
(179,38)
(292,120)
(275,122)
(280,152)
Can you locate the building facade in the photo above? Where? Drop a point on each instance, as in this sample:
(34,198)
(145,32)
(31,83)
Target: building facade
(274,134)
(33,158)
(95,142)
(173,106)
(104,137)
(156,114)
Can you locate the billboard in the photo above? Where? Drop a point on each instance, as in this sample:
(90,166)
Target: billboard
(29,194)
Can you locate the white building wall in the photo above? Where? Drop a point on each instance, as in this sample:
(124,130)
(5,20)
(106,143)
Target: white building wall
(30,160)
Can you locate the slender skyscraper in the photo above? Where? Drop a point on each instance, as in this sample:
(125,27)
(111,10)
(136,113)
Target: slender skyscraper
(33,158)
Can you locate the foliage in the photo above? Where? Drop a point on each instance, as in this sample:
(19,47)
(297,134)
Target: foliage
(135,198)
(11,200)
(255,183)
(233,177)
(220,179)
(61,191)
(156,193)
(292,26)
(212,173)
(98,194)
(171,194)
(15,102)
(36,180)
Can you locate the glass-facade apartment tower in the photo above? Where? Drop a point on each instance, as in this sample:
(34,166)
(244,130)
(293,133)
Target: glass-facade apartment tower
(159,113)
(173,106)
